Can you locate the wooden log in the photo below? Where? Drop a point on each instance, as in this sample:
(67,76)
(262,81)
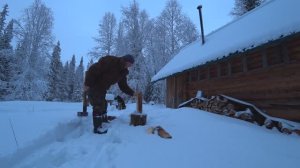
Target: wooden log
(284,129)
(228,110)
(297,132)
(246,117)
(163,133)
(269,124)
(160,132)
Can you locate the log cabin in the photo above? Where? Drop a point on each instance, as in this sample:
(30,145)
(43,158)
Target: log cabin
(254,58)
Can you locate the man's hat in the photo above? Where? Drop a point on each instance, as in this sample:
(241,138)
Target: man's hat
(128,58)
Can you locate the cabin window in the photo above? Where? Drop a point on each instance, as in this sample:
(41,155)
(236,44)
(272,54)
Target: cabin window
(194,75)
(236,65)
(202,73)
(254,61)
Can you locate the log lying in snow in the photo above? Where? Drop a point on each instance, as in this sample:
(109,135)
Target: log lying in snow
(160,132)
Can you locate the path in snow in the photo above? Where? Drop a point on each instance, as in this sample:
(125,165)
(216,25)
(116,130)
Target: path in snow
(68,143)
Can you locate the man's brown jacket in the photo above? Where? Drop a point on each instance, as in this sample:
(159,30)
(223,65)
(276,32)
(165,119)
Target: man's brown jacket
(106,72)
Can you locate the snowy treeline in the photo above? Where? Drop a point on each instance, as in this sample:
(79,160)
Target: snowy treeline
(152,41)
(65,82)
(30,71)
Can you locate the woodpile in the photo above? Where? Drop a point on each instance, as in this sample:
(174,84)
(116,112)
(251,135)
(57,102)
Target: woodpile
(234,108)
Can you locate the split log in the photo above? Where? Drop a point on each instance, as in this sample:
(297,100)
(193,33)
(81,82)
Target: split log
(229,110)
(284,129)
(297,132)
(269,124)
(160,132)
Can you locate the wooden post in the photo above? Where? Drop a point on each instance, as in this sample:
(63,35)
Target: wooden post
(137,118)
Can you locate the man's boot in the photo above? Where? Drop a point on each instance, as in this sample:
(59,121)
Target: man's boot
(98,126)
(98,120)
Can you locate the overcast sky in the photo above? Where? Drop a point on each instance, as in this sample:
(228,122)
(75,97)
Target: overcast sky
(76,21)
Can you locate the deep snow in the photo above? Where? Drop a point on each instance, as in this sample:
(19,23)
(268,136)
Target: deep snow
(51,135)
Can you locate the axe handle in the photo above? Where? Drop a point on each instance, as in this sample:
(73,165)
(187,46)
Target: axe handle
(84,102)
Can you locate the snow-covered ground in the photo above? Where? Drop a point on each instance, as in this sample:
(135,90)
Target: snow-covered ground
(49,134)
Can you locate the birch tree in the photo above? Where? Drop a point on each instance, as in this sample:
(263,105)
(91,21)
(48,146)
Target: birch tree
(105,40)
(34,33)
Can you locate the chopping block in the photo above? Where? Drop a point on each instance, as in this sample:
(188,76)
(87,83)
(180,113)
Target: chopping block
(138,118)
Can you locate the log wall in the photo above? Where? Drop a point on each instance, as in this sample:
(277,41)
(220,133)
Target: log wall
(267,76)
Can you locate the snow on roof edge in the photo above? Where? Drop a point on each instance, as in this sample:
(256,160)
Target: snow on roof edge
(247,42)
(153,80)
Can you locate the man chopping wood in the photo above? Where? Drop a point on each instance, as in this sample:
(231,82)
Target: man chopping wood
(100,76)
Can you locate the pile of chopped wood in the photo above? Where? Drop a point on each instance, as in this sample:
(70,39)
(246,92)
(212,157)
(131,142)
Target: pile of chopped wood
(231,107)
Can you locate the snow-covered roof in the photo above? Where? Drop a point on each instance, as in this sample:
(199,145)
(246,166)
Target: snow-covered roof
(270,21)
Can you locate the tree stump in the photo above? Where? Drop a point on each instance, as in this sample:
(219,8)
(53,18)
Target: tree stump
(138,118)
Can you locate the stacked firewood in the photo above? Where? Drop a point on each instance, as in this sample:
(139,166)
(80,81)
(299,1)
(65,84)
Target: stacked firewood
(219,105)
(237,109)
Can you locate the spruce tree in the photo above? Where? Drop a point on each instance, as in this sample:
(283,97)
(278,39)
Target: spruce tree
(3,15)
(54,76)
(6,54)
(71,79)
(78,85)
(64,91)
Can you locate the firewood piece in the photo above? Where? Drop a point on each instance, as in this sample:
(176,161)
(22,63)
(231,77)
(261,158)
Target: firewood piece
(229,110)
(284,129)
(151,130)
(269,124)
(246,117)
(297,131)
(163,133)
